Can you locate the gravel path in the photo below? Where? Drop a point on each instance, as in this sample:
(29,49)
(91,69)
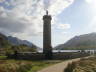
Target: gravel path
(58,67)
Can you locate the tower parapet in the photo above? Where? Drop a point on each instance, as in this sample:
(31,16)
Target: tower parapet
(47,16)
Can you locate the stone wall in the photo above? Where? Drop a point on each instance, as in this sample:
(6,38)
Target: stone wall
(56,56)
(69,55)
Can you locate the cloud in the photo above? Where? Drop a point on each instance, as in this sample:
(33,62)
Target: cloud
(64,26)
(1,0)
(46,4)
(12,25)
(21,16)
(92,24)
(92,3)
(88,1)
(25,16)
(2,12)
(57,6)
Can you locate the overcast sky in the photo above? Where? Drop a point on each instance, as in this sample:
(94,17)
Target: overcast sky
(23,19)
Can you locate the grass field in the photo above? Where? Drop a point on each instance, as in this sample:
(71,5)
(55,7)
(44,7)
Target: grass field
(3,57)
(24,65)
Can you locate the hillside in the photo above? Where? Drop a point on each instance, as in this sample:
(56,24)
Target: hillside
(17,41)
(4,41)
(86,41)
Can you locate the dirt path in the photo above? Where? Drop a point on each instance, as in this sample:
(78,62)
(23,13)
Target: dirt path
(59,67)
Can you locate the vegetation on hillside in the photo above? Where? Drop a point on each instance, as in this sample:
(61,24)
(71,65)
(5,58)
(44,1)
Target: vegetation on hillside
(6,47)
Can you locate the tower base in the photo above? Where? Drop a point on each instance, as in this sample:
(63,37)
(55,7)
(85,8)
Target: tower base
(48,55)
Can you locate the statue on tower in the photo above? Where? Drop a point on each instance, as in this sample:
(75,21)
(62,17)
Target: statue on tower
(46,12)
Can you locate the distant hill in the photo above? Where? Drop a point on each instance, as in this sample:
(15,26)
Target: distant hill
(17,41)
(86,41)
(7,42)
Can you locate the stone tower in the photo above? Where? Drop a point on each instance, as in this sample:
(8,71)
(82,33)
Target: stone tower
(47,48)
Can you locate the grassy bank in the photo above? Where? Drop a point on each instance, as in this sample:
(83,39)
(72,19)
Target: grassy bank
(84,65)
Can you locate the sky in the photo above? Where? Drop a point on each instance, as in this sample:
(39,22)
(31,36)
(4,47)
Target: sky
(23,19)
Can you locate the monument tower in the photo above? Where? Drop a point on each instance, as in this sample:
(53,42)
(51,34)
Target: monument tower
(47,48)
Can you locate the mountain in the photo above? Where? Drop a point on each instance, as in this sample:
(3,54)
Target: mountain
(86,41)
(17,41)
(9,43)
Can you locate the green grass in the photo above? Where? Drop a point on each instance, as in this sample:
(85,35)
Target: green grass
(38,65)
(3,57)
(24,66)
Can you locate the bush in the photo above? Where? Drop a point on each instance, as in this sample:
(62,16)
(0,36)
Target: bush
(70,67)
(24,68)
